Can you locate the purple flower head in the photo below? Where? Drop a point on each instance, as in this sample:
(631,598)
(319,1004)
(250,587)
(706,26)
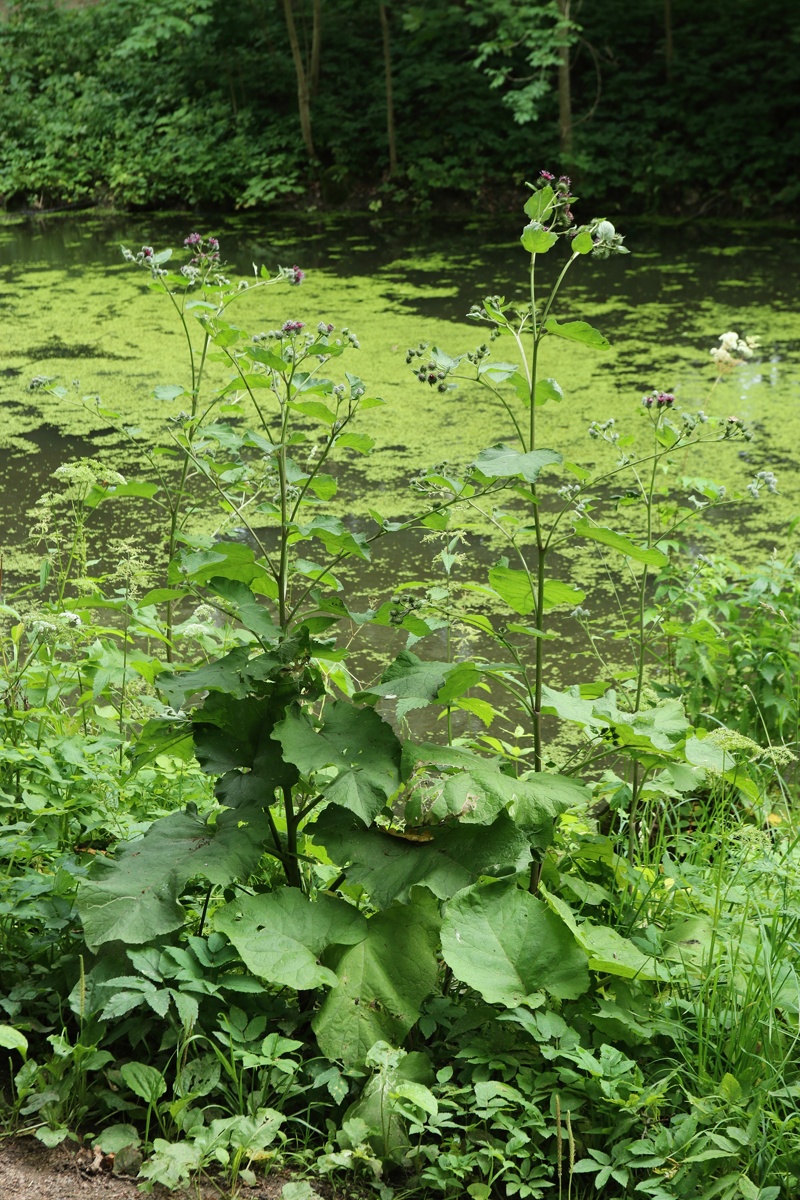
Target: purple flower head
(296,276)
(194,239)
(665,400)
(147,251)
(293,326)
(547,176)
(565,179)
(213,244)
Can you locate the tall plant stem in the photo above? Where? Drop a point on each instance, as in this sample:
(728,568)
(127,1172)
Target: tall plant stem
(637,776)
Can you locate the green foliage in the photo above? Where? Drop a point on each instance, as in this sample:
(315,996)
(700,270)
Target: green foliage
(256,912)
(164,102)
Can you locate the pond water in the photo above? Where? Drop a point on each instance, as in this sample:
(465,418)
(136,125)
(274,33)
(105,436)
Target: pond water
(72,308)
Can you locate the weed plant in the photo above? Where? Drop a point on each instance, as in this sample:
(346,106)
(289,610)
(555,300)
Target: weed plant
(249,919)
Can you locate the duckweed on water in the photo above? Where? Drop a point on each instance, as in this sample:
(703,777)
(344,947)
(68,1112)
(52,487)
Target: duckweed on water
(73,309)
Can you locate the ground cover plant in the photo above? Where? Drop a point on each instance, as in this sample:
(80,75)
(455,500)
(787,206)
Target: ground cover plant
(445,928)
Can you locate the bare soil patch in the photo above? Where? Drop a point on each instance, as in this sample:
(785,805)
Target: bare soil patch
(31,1171)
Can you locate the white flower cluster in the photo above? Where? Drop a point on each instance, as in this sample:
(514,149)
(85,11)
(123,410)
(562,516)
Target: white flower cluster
(732,351)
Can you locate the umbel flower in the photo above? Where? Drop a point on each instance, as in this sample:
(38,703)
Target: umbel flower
(732,351)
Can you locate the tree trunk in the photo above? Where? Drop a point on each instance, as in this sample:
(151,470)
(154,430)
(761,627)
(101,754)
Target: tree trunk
(303,94)
(387,62)
(316,45)
(564,88)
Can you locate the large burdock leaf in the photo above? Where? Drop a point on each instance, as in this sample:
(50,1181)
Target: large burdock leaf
(134,897)
(361,748)
(475,790)
(389,866)
(507,945)
(381,982)
(281,935)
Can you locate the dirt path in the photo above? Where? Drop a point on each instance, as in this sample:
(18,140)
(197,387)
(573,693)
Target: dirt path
(29,1171)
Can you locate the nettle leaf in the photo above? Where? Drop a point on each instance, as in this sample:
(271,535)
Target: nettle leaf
(507,945)
(281,935)
(578,331)
(134,897)
(537,240)
(548,389)
(389,865)
(361,748)
(382,981)
(503,462)
(650,556)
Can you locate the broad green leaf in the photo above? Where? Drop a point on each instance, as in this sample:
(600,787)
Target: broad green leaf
(125,908)
(362,749)
(230,560)
(360,442)
(162,737)
(650,556)
(475,790)
(168,391)
(315,409)
(503,462)
(514,587)
(578,331)
(658,728)
(267,358)
(382,982)
(134,897)
(507,945)
(336,537)
(458,681)
(497,372)
(117,1137)
(538,204)
(537,240)
(582,243)
(376,1108)
(388,865)
(702,752)
(548,389)
(570,706)
(410,681)
(556,592)
(281,935)
(13,1039)
(608,952)
(246,608)
(144,1081)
